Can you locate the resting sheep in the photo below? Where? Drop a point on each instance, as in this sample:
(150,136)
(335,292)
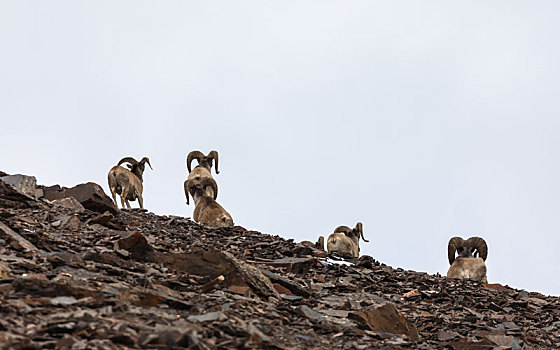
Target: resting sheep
(207,211)
(467,264)
(345,241)
(128,183)
(203,169)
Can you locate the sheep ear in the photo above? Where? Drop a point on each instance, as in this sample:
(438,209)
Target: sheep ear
(129,166)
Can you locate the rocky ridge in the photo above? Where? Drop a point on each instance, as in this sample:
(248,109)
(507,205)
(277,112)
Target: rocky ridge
(75,273)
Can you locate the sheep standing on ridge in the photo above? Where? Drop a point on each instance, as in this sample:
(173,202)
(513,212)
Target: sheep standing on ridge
(202,170)
(128,183)
(467,264)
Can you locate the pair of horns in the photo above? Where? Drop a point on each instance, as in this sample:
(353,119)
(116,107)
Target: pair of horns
(358,230)
(200,157)
(202,183)
(457,243)
(133,161)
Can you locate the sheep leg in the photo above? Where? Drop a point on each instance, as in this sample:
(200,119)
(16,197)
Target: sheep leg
(124,193)
(126,199)
(114,194)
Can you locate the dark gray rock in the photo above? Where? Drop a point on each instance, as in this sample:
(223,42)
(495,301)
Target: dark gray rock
(90,195)
(26,185)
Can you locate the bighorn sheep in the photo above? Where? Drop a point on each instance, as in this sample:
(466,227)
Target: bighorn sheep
(344,241)
(467,264)
(203,169)
(207,211)
(128,183)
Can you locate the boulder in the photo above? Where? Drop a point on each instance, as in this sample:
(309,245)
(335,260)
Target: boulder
(69,203)
(26,185)
(90,195)
(10,198)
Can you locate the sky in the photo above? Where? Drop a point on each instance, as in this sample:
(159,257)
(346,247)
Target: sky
(423,120)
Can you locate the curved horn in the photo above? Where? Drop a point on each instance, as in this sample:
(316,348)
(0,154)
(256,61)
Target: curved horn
(359,228)
(189,184)
(214,155)
(480,245)
(128,159)
(452,246)
(186,186)
(207,181)
(146,160)
(193,155)
(343,229)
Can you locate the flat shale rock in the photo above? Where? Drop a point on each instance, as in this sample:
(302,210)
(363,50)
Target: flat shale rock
(75,273)
(90,195)
(385,318)
(69,203)
(26,185)
(11,198)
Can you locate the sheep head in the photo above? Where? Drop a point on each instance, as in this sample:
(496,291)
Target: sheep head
(135,167)
(200,188)
(203,161)
(354,234)
(471,248)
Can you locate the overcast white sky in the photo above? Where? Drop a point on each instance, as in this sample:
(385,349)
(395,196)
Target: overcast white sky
(422,119)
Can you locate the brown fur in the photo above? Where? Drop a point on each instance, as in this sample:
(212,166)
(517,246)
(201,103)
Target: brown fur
(345,241)
(202,170)
(207,211)
(468,268)
(320,244)
(191,184)
(343,245)
(211,213)
(199,172)
(126,184)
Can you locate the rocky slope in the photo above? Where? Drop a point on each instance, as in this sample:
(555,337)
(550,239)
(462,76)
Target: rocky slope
(77,274)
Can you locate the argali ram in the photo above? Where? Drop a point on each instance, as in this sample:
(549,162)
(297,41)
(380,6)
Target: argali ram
(128,183)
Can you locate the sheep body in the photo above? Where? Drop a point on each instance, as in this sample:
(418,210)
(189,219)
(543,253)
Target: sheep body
(345,241)
(207,211)
(127,183)
(211,213)
(341,244)
(468,268)
(471,260)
